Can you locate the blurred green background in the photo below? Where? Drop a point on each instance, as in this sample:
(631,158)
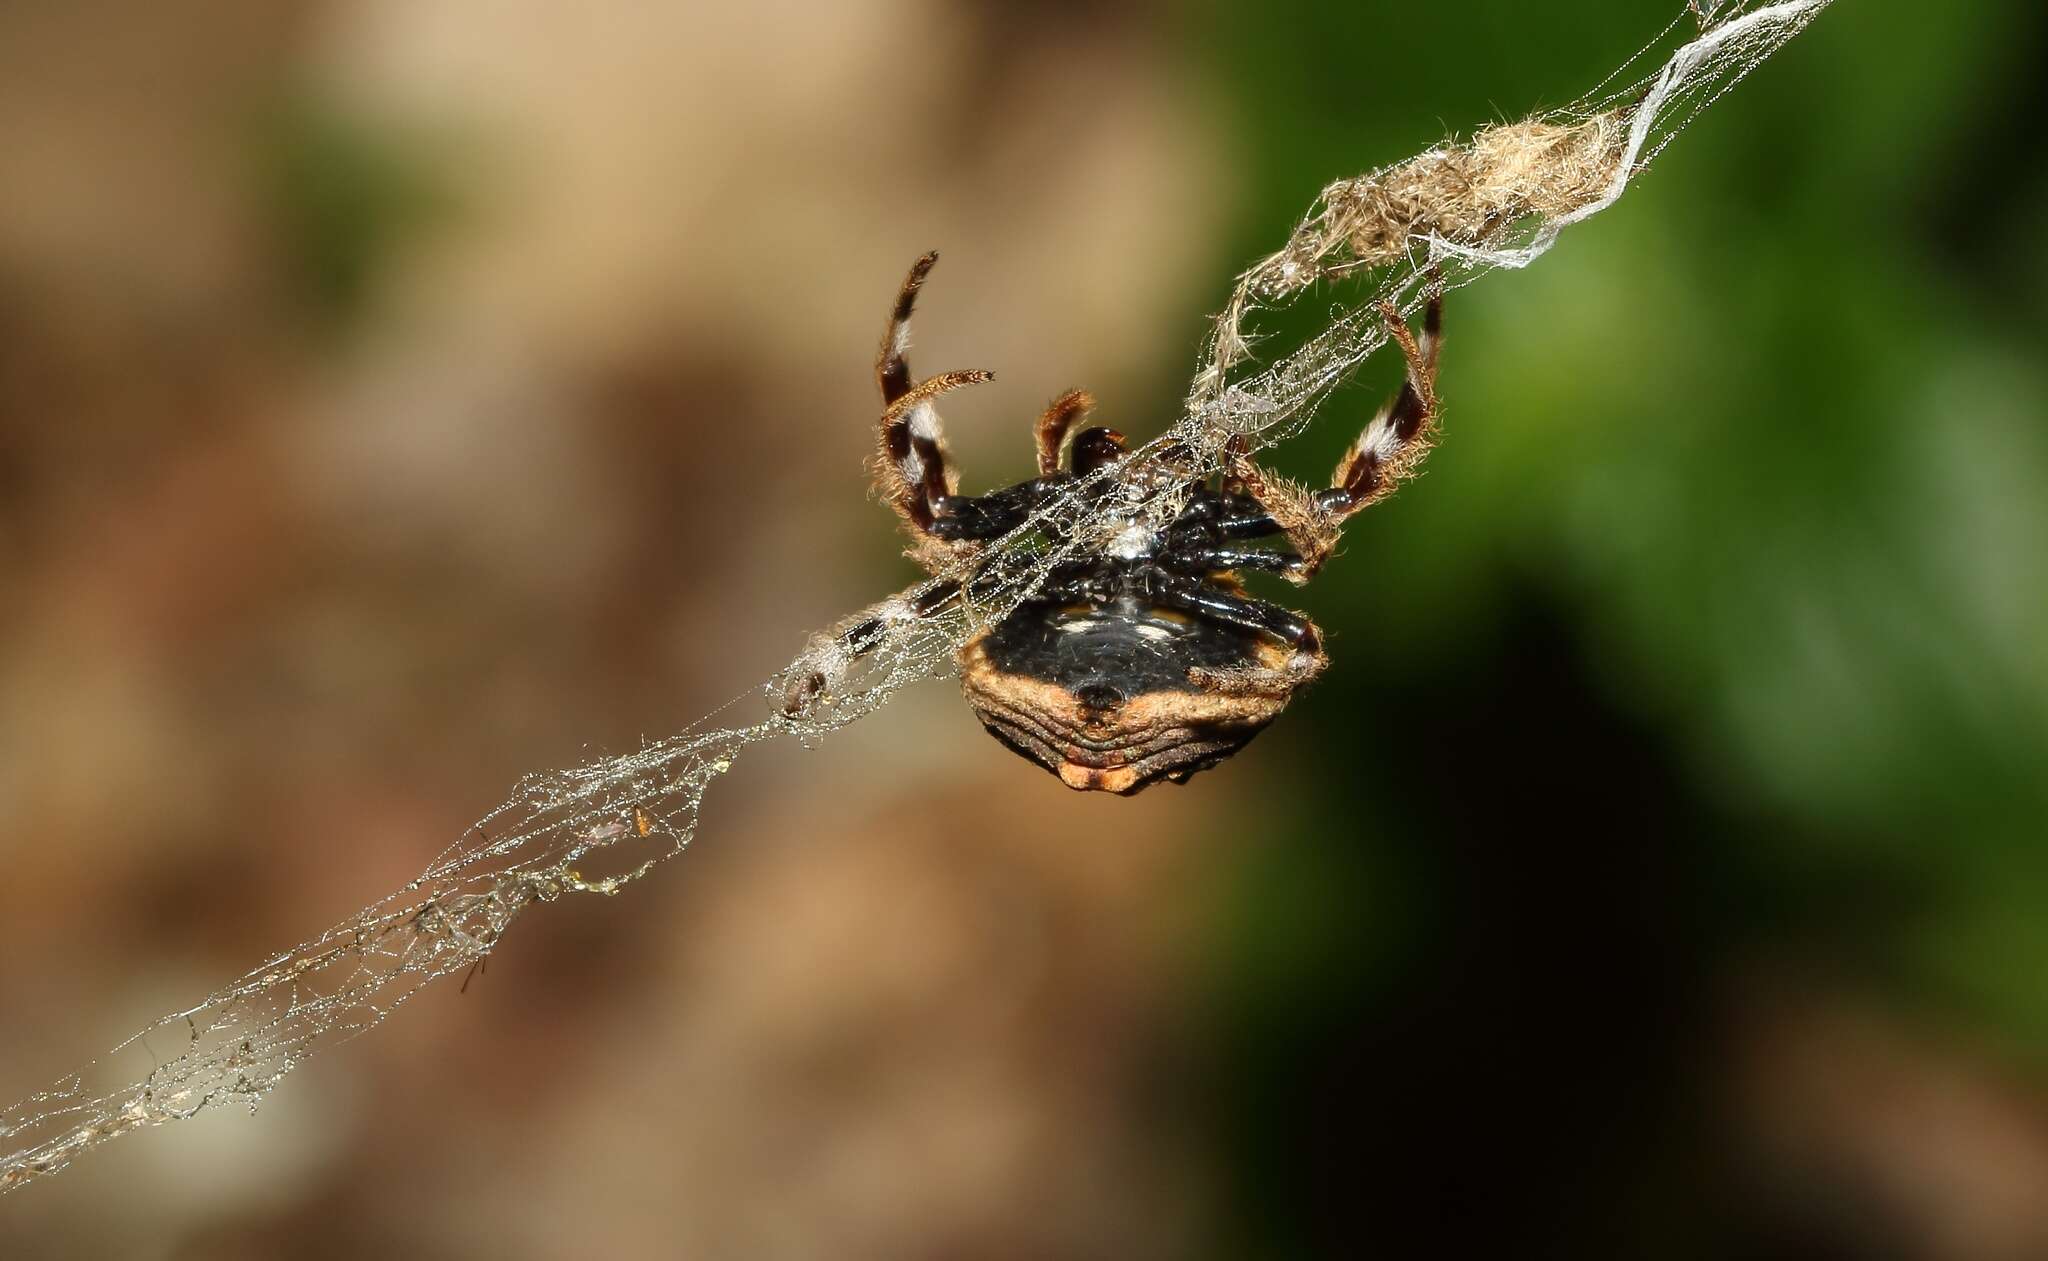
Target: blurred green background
(396,398)
(1697,699)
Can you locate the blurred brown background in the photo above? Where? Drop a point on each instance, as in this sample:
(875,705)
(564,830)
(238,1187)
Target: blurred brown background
(397,397)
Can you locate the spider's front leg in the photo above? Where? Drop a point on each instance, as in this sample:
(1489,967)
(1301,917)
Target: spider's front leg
(913,469)
(1386,453)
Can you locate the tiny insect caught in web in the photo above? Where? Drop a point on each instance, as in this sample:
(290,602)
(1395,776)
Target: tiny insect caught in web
(1141,657)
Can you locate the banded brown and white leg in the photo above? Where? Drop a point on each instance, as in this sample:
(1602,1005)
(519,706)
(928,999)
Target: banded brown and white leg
(892,370)
(1385,454)
(913,469)
(1395,442)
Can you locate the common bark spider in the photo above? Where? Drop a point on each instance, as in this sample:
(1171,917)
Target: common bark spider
(1143,657)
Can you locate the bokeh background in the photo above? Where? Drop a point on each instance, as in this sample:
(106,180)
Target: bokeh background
(398,397)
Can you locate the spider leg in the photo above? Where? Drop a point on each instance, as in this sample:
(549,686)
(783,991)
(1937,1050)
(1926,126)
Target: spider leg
(1213,560)
(978,518)
(1257,524)
(1190,595)
(1212,516)
(892,370)
(1397,439)
(1307,661)
(913,469)
(1197,542)
(1282,506)
(1052,428)
(829,656)
(1386,453)
(959,518)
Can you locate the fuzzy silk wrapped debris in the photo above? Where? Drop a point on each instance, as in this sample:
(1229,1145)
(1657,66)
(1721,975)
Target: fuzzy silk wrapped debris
(1466,194)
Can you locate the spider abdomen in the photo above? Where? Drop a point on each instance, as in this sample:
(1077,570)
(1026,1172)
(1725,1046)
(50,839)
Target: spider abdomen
(1101,694)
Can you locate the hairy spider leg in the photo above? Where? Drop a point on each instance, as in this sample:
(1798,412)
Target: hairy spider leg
(1053,426)
(1400,435)
(915,473)
(913,469)
(892,370)
(1386,453)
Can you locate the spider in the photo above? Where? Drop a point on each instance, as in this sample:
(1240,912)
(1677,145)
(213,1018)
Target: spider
(1141,658)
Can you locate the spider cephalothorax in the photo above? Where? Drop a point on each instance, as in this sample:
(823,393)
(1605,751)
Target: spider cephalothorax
(1142,658)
